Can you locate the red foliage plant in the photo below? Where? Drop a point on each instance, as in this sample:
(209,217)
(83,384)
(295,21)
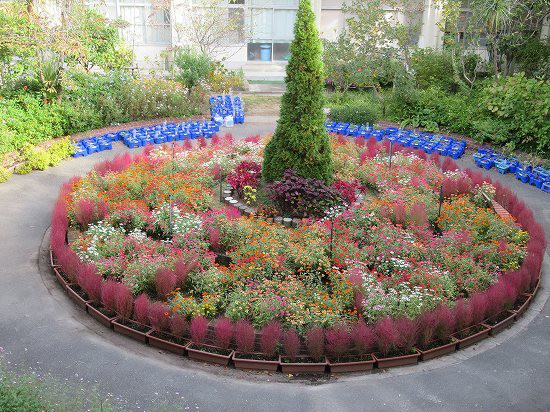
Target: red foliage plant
(399,216)
(202,142)
(253,139)
(223,331)
(478,303)
(407,334)
(165,281)
(449,187)
(90,281)
(231,213)
(108,294)
(88,211)
(178,325)
(245,336)
(141,309)
(427,324)
(341,139)
(315,342)
(420,154)
(363,337)
(419,217)
(360,141)
(198,329)
(387,336)
(228,139)
(462,314)
(118,164)
(435,158)
(291,344)
(124,301)
(69,261)
(445,322)
(187,145)
(158,316)
(346,190)
(449,165)
(463,185)
(215,141)
(214,237)
(270,338)
(338,339)
(182,269)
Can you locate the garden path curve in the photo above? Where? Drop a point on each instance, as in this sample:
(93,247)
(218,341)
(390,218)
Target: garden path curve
(41,329)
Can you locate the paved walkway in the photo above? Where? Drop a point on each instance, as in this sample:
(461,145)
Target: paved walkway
(40,328)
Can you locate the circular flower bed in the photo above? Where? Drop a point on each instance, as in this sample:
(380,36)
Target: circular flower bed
(387,260)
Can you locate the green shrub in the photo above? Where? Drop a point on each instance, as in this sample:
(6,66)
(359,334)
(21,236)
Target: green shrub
(4,174)
(359,113)
(433,68)
(192,67)
(300,141)
(59,150)
(524,105)
(34,158)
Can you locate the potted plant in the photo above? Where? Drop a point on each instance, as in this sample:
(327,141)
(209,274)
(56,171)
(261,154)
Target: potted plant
(102,306)
(172,341)
(316,362)
(199,350)
(339,341)
(435,329)
(136,329)
(396,339)
(270,337)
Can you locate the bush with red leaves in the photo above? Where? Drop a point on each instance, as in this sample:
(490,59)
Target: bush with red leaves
(315,343)
(478,303)
(363,337)
(346,190)
(245,174)
(70,262)
(90,281)
(202,142)
(291,344)
(445,323)
(178,325)
(245,336)
(198,329)
(462,314)
(124,301)
(165,282)
(214,237)
(108,294)
(141,309)
(223,332)
(387,336)
(399,213)
(88,211)
(407,330)
(158,314)
(270,338)
(419,216)
(338,339)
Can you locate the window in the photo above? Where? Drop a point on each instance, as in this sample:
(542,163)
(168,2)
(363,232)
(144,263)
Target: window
(271,25)
(146,25)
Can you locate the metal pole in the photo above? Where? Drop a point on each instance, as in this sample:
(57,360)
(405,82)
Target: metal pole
(331,237)
(221,183)
(440,200)
(172,188)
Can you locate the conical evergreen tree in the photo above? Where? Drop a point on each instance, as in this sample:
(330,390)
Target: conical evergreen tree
(300,141)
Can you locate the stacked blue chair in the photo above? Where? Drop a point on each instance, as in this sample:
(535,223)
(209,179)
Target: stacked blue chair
(224,106)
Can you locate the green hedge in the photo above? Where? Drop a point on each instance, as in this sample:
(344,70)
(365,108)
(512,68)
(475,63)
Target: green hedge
(357,113)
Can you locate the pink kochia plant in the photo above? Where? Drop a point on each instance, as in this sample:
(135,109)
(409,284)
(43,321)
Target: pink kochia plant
(445,322)
(165,281)
(108,293)
(88,211)
(315,342)
(363,337)
(291,344)
(214,237)
(178,325)
(124,301)
(223,331)
(158,316)
(387,335)
(90,281)
(419,217)
(69,262)
(407,331)
(198,329)
(462,314)
(244,336)
(271,336)
(338,339)
(141,309)
(182,269)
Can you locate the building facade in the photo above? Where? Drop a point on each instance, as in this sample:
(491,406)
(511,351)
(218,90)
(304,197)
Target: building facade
(260,44)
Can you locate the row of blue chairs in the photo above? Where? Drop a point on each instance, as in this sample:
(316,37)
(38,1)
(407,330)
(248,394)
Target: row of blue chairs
(428,142)
(224,106)
(537,176)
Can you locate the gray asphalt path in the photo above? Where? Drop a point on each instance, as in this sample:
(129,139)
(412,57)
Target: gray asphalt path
(42,330)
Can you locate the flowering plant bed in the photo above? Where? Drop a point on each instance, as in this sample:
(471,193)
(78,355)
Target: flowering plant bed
(388,257)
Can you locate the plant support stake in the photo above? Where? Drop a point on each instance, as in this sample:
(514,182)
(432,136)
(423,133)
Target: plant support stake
(391,152)
(440,200)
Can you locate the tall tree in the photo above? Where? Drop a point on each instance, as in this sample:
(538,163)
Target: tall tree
(300,141)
